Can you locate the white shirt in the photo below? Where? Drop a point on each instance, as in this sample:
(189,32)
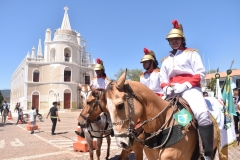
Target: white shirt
(32,114)
(183,62)
(99,83)
(152,81)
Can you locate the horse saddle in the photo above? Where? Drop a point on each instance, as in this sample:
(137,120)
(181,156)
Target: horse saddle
(173,133)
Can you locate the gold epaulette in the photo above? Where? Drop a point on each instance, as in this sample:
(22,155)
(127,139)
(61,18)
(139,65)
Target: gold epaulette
(190,49)
(164,58)
(156,70)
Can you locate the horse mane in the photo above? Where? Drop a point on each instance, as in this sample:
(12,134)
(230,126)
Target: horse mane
(144,93)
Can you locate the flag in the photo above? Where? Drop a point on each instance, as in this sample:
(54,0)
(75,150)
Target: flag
(227,134)
(227,96)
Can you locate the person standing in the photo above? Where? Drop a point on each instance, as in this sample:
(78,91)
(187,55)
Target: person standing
(181,73)
(53,112)
(16,108)
(32,117)
(5,111)
(6,106)
(236,100)
(151,77)
(20,115)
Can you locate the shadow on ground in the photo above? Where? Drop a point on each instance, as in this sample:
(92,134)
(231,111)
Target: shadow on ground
(131,157)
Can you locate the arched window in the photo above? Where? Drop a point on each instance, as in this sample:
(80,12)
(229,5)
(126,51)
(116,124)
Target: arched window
(67,55)
(36,75)
(67,74)
(52,55)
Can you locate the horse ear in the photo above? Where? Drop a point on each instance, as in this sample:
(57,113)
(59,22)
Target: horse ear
(121,81)
(80,86)
(94,91)
(91,87)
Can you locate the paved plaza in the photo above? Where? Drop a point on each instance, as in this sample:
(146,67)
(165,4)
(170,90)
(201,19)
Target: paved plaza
(16,143)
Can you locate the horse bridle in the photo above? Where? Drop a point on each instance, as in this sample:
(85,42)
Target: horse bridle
(131,131)
(86,92)
(96,103)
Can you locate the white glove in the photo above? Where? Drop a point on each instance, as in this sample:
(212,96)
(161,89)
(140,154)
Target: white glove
(168,90)
(179,88)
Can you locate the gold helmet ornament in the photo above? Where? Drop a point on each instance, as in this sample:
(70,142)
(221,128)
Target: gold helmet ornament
(177,31)
(99,65)
(148,55)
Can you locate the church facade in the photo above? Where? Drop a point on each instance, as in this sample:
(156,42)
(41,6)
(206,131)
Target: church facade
(53,73)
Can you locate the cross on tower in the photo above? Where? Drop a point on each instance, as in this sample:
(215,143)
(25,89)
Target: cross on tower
(65,8)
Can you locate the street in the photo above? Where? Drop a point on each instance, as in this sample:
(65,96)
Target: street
(17,143)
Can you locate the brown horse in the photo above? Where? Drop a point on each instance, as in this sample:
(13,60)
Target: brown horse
(146,105)
(92,110)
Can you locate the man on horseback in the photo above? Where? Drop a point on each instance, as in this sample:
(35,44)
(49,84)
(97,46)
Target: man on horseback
(98,82)
(151,77)
(181,73)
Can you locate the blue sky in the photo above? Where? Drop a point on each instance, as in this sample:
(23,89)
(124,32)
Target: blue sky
(118,30)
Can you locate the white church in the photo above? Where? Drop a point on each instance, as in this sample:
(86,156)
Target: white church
(52,73)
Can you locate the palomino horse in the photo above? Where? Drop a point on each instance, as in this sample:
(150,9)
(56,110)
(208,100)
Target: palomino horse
(98,124)
(93,109)
(128,101)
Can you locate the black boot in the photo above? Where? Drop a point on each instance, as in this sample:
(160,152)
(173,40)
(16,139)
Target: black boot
(112,133)
(80,133)
(206,134)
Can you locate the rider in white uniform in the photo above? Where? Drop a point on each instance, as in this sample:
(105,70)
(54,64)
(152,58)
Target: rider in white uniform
(151,77)
(181,72)
(99,81)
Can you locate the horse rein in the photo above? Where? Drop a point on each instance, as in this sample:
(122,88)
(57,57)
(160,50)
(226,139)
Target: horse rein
(96,103)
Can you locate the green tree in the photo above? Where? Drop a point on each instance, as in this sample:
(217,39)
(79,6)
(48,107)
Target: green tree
(132,74)
(212,71)
(211,84)
(1,99)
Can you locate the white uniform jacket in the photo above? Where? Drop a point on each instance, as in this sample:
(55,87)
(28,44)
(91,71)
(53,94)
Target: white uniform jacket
(99,82)
(183,67)
(152,81)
